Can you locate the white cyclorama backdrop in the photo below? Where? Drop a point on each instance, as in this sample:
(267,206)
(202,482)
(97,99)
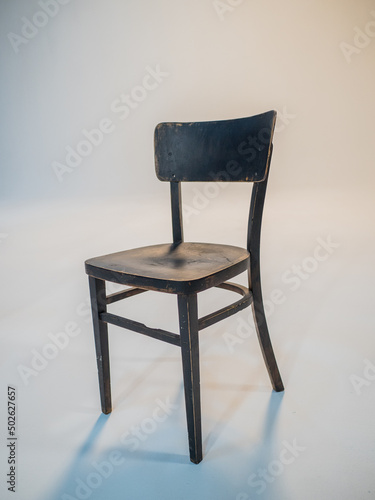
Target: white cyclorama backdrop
(83,84)
(78,60)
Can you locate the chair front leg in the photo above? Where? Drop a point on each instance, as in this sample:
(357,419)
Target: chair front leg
(98,305)
(188,317)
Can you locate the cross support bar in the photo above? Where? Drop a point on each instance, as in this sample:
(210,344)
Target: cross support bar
(173,338)
(129,324)
(124,294)
(225,312)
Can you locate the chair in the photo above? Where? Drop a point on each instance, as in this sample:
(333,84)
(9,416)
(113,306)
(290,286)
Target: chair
(230,150)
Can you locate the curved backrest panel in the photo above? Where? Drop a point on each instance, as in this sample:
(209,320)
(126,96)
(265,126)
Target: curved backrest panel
(227,150)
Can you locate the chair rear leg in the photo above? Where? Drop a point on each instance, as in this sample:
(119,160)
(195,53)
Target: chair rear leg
(262,331)
(188,316)
(98,305)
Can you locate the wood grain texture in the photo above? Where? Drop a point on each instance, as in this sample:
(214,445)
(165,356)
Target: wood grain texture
(227,150)
(253,245)
(176,209)
(123,294)
(188,317)
(187,267)
(135,326)
(98,306)
(227,311)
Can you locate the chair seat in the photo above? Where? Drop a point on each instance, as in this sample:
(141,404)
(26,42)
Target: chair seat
(180,268)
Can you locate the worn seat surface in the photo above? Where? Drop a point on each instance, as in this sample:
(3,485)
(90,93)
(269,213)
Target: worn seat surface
(172,267)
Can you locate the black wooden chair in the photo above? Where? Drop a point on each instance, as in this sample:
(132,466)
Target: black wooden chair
(230,150)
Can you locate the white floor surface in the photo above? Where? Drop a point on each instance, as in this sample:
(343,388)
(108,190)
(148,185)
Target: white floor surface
(314,441)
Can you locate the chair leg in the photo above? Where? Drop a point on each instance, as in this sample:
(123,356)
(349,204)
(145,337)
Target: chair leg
(262,331)
(188,316)
(98,305)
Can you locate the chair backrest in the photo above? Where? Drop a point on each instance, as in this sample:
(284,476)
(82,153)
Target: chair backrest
(227,150)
